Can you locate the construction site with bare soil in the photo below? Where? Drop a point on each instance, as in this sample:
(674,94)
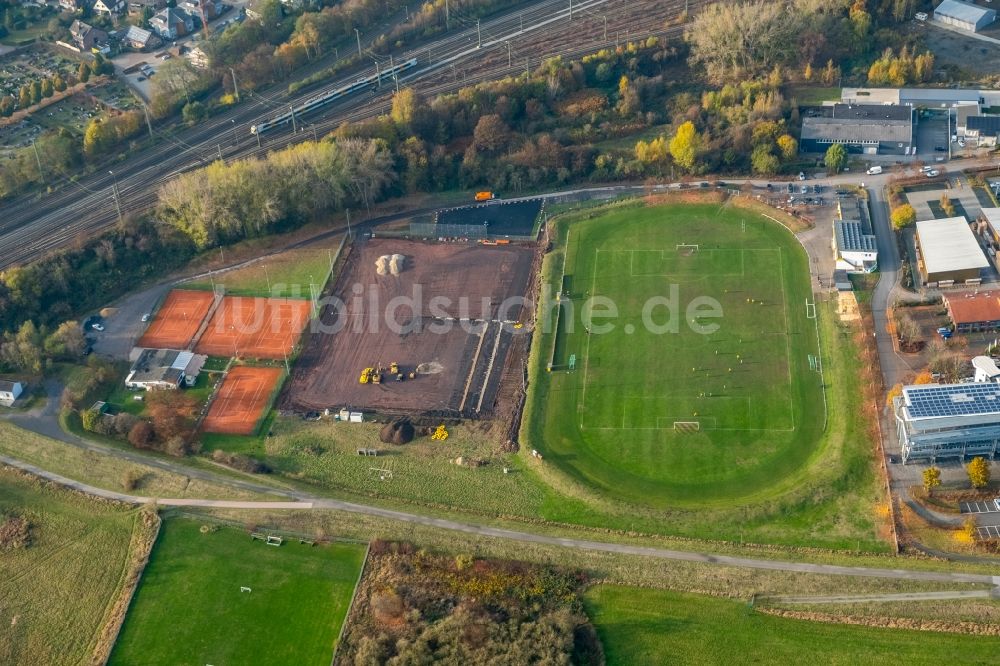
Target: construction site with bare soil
(432,329)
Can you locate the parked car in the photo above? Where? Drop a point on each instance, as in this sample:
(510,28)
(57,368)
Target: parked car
(802,175)
(791,188)
(145,317)
(874,171)
(961,143)
(98,327)
(933,173)
(940,149)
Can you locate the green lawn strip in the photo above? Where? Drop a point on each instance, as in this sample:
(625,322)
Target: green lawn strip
(190,609)
(107,471)
(55,595)
(642,626)
(285,275)
(813,95)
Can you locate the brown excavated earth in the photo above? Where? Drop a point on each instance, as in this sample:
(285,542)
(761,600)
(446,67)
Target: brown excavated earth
(447,282)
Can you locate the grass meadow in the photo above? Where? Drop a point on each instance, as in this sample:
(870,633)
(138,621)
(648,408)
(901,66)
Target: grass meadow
(621,419)
(283,275)
(189,608)
(57,594)
(643,626)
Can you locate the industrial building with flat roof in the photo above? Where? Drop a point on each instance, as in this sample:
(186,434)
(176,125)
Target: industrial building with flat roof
(948,251)
(936,421)
(974,312)
(861,128)
(920,97)
(964,15)
(164,369)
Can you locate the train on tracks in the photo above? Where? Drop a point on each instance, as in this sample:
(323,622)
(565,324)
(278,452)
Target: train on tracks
(331,96)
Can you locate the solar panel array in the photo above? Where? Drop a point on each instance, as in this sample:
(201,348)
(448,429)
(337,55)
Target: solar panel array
(952,400)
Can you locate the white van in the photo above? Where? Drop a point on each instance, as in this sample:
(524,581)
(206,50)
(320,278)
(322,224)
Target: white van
(922,16)
(874,171)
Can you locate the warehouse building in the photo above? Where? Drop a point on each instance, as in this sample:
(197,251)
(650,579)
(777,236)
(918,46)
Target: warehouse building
(871,129)
(971,313)
(948,253)
(923,98)
(964,15)
(937,421)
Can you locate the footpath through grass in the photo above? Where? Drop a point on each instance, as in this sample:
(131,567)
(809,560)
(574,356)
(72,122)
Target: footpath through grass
(189,608)
(56,594)
(642,626)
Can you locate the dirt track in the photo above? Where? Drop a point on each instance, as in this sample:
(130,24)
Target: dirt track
(445,282)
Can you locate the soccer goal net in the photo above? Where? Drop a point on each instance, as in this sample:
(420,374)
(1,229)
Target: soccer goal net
(687,426)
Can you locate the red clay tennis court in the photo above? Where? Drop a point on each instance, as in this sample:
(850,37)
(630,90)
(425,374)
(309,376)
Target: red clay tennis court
(255,327)
(178,319)
(241,400)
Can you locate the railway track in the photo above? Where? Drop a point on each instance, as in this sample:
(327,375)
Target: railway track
(29,230)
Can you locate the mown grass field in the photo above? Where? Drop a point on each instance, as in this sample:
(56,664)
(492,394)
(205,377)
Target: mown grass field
(620,420)
(189,608)
(283,275)
(56,594)
(643,626)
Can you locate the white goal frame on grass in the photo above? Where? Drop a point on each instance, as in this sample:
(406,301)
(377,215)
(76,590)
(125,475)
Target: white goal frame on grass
(810,310)
(693,247)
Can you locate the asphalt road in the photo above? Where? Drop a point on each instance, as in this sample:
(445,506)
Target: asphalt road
(307,502)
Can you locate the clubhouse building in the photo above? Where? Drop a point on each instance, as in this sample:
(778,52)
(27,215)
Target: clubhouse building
(937,421)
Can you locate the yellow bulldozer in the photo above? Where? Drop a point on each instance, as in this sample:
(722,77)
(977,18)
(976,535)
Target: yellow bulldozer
(366,375)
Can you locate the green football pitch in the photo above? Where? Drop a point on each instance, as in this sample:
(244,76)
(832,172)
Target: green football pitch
(700,380)
(191,607)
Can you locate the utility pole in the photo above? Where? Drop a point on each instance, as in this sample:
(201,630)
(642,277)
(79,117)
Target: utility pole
(315,138)
(257,134)
(348,211)
(118,203)
(510,62)
(605,27)
(294,127)
(479,36)
(570,10)
(219,146)
(149,125)
(39,160)
(236,88)
(378,73)
(395,74)
(447,16)
(358,35)
(236,138)
(527,70)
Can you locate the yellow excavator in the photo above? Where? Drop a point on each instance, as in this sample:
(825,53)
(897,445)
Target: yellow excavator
(366,375)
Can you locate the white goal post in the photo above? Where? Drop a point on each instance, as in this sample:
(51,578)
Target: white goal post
(810,310)
(687,247)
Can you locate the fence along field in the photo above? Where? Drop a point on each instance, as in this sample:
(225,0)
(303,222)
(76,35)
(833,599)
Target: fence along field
(178,320)
(683,417)
(255,327)
(242,400)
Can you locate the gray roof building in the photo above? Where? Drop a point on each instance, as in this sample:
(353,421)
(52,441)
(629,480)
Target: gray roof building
(164,369)
(964,15)
(865,128)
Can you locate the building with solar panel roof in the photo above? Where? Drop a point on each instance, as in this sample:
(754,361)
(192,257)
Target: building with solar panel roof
(948,421)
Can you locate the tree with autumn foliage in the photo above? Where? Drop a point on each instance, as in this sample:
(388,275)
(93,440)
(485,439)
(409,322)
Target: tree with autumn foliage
(932,479)
(979,472)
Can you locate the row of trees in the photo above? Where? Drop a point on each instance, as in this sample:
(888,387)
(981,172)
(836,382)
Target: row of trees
(224,203)
(978,471)
(900,70)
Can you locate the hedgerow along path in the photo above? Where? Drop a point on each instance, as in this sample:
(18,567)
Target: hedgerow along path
(678,417)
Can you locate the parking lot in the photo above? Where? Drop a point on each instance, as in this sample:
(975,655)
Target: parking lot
(985,506)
